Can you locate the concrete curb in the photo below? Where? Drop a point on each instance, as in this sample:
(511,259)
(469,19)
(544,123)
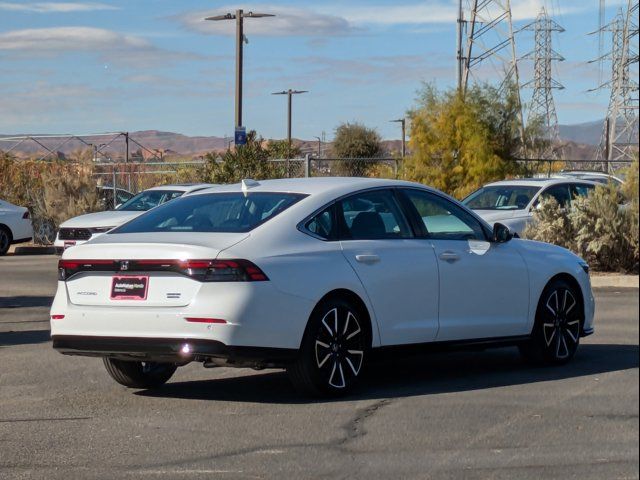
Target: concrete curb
(614,281)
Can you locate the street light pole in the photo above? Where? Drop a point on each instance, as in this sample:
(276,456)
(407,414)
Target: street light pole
(289,93)
(402,122)
(239,17)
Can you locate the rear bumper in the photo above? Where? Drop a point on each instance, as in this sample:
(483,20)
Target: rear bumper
(179,350)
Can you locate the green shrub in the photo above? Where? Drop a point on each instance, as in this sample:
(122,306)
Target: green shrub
(596,228)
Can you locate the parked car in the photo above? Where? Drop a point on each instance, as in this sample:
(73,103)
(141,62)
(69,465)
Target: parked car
(15,226)
(312,275)
(597,177)
(83,228)
(512,202)
(110,199)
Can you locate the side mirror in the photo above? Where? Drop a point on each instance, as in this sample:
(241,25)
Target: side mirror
(501,233)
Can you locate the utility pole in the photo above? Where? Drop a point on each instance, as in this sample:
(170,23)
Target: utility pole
(402,122)
(126,160)
(239,17)
(289,93)
(542,108)
(459,55)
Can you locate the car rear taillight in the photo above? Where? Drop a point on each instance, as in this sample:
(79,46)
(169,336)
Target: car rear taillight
(25,215)
(235,270)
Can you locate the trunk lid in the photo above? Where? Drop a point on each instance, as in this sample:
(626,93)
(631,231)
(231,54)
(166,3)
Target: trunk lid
(128,282)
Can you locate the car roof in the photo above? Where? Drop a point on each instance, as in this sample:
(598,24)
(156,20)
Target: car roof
(333,186)
(183,187)
(539,182)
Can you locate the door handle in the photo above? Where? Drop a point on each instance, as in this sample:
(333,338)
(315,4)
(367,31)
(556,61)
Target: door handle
(449,256)
(369,259)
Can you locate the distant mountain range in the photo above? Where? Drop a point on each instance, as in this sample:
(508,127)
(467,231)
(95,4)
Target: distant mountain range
(588,133)
(580,137)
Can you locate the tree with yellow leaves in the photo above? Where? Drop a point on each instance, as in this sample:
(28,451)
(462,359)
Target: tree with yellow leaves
(459,143)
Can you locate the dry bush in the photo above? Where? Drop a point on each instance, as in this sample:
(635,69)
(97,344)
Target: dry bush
(597,228)
(52,191)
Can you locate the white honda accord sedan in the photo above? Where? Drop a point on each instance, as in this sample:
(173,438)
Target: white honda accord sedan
(315,276)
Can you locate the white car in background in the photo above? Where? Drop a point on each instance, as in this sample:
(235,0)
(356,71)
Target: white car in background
(512,202)
(15,225)
(83,228)
(312,275)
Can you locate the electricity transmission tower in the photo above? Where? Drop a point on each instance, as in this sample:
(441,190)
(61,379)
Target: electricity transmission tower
(619,142)
(542,110)
(486,42)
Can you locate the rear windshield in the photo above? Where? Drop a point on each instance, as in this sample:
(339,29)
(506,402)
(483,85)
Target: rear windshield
(502,197)
(213,212)
(149,199)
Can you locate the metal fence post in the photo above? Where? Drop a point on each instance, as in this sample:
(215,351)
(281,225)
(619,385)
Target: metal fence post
(307,165)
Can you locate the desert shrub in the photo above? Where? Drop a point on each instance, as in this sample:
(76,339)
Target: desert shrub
(551,224)
(596,227)
(244,161)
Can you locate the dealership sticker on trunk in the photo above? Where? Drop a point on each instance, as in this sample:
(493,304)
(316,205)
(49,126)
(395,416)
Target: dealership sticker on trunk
(129,287)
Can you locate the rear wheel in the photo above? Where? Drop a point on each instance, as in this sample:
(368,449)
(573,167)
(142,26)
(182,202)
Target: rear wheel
(556,333)
(139,374)
(5,240)
(333,350)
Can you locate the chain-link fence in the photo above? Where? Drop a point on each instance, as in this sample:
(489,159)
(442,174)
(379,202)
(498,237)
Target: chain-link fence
(310,166)
(135,177)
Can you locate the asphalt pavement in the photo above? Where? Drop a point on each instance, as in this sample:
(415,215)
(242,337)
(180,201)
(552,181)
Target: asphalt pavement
(456,415)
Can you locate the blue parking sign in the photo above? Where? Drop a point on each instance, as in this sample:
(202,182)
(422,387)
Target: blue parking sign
(241,136)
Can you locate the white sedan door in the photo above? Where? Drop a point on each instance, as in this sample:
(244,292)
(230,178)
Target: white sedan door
(484,286)
(399,272)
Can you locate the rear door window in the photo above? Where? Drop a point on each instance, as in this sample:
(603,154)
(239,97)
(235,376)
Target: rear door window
(371,215)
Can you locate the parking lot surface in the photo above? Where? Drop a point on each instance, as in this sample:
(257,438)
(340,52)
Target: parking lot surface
(456,415)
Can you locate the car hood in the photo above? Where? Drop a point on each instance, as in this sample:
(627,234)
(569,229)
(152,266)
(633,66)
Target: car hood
(492,216)
(110,218)
(162,245)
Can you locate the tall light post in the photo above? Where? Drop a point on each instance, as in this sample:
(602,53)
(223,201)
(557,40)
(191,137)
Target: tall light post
(239,16)
(289,93)
(402,121)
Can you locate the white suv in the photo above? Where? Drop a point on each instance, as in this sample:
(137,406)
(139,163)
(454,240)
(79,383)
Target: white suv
(511,202)
(83,228)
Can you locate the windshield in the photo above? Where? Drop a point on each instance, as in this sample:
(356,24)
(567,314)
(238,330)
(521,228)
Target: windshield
(214,212)
(148,199)
(501,197)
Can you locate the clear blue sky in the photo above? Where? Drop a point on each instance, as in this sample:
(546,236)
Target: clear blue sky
(84,67)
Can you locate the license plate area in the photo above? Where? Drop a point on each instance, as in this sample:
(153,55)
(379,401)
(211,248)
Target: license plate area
(129,287)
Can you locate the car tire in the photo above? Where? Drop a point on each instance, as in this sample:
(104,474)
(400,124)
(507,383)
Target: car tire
(133,374)
(558,325)
(333,350)
(5,240)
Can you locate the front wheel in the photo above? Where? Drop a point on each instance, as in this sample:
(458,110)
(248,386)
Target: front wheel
(5,240)
(333,350)
(556,333)
(134,374)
